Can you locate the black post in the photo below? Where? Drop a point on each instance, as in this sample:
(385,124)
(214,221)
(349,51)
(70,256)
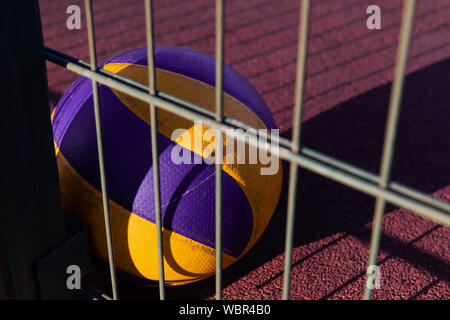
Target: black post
(31,216)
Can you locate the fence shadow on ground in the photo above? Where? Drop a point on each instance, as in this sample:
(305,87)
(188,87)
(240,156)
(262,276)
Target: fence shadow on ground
(353,132)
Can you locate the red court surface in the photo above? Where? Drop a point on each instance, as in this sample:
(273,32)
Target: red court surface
(349,73)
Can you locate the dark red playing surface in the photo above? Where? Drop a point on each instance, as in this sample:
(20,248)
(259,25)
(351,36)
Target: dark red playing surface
(349,72)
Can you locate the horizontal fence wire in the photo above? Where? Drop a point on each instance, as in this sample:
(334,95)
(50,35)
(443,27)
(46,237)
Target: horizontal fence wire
(389,139)
(237,124)
(324,165)
(98,127)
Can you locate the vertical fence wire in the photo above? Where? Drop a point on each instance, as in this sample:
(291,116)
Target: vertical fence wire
(219,142)
(295,147)
(154,140)
(390,134)
(98,127)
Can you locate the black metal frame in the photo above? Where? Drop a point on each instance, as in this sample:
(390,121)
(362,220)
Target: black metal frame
(32,222)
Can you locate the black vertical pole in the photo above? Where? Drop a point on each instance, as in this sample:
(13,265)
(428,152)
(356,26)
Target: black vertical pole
(31,215)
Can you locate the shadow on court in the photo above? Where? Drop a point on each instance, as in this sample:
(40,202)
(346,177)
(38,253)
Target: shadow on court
(353,132)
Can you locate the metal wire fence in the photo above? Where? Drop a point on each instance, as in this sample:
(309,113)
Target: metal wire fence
(379,186)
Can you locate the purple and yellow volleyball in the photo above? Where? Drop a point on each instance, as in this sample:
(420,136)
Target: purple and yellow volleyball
(187,189)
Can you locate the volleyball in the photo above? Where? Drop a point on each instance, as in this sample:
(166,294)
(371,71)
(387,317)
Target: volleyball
(187,187)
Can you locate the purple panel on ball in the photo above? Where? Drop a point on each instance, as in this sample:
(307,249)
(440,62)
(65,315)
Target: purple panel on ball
(200,66)
(185,189)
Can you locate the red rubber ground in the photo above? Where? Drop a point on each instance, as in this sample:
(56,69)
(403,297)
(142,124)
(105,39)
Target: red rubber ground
(349,72)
